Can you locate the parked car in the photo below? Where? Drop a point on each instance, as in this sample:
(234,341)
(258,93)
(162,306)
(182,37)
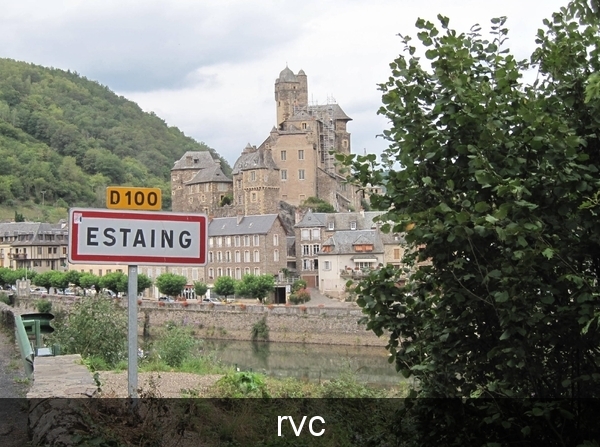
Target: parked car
(69,291)
(38,290)
(211,300)
(166,299)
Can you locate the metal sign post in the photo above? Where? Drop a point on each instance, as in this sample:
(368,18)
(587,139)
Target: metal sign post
(132,341)
(136,238)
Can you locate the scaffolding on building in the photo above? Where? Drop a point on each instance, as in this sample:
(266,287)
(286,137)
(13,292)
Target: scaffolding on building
(325,114)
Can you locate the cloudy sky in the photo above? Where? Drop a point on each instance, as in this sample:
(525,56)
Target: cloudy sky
(209,66)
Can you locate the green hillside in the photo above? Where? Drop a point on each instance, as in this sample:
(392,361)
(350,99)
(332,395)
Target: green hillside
(64,138)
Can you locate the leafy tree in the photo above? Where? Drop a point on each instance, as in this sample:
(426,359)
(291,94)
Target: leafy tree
(143,282)
(200,288)
(175,346)
(19,217)
(495,184)
(255,286)
(95,327)
(224,286)
(44,279)
(170,284)
(59,280)
(73,277)
(113,281)
(89,280)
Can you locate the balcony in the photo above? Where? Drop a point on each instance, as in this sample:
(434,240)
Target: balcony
(355,273)
(17,256)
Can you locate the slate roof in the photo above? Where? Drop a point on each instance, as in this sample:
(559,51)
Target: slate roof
(311,219)
(210,174)
(342,242)
(195,160)
(287,75)
(364,221)
(323,110)
(33,228)
(253,158)
(228,226)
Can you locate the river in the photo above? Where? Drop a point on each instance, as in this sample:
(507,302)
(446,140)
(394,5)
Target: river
(308,362)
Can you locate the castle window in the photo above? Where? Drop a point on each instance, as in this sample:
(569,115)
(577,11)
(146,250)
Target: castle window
(304,126)
(301,154)
(275,239)
(219,257)
(256,256)
(256,271)
(254,197)
(237,241)
(284,174)
(238,273)
(276,255)
(210,256)
(253,175)
(300,174)
(238,258)
(211,241)
(345,144)
(283,155)
(247,256)
(211,273)
(227,256)
(256,240)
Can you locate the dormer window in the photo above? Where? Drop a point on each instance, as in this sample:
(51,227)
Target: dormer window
(331,226)
(353,225)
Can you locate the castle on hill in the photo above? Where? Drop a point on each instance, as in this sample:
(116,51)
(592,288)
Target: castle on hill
(296,161)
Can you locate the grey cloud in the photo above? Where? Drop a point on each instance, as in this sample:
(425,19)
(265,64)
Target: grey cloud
(144,52)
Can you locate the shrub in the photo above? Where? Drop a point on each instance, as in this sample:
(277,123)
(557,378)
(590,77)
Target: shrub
(300,296)
(96,327)
(260,329)
(298,284)
(4,298)
(242,384)
(175,346)
(43,306)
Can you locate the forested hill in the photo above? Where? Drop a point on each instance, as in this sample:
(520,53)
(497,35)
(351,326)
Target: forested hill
(64,138)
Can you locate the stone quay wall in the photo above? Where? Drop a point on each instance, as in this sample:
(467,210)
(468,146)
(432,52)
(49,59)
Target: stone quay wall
(292,324)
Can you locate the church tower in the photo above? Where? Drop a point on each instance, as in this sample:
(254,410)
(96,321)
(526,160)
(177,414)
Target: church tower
(291,93)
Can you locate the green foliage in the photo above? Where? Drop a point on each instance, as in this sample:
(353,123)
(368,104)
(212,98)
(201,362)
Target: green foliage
(488,176)
(298,284)
(64,138)
(4,298)
(43,280)
(114,281)
(72,277)
(200,288)
(300,296)
(95,327)
(242,384)
(175,345)
(255,286)
(224,286)
(346,386)
(318,205)
(260,330)
(89,280)
(59,280)
(170,284)
(43,306)
(19,217)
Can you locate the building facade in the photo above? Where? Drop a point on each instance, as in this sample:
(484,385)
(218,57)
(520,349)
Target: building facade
(296,161)
(33,245)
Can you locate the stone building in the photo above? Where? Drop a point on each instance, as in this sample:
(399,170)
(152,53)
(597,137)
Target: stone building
(296,161)
(198,184)
(34,245)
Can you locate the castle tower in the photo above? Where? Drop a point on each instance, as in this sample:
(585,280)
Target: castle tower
(291,92)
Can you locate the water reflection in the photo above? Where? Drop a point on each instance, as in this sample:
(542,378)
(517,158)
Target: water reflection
(307,361)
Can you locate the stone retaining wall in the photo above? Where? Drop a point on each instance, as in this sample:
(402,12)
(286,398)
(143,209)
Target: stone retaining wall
(293,324)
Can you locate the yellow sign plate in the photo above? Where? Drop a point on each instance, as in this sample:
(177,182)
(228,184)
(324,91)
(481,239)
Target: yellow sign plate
(126,198)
